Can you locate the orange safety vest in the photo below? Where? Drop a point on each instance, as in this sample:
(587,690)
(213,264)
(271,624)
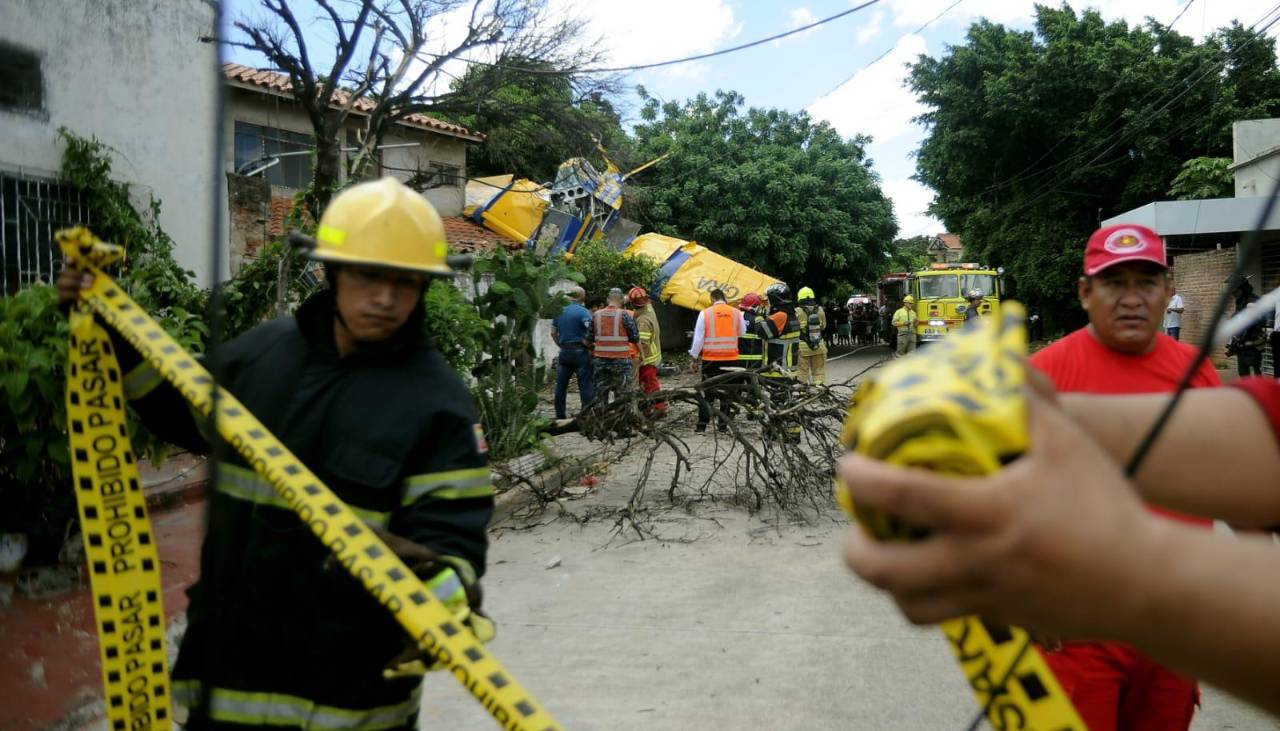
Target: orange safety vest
(611,334)
(720,332)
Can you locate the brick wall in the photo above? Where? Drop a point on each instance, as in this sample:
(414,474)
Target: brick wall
(1199,279)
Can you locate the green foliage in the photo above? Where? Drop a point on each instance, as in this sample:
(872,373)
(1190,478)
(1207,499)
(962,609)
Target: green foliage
(766,187)
(149,272)
(603,267)
(1204,177)
(908,255)
(1034,136)
(35,476)
(532,122)
(508,380)
(34,470)
(252,295)
(455,326)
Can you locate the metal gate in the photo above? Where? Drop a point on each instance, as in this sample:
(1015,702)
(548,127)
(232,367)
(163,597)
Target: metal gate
(32,209)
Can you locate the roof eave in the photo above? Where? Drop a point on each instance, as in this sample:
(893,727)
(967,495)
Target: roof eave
(268,91)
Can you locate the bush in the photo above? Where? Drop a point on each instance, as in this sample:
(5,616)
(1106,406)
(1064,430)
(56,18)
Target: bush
(510,377)
(455,325)
(603,268)
(35,474)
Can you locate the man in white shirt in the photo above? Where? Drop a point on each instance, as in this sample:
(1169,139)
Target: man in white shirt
(1173,315)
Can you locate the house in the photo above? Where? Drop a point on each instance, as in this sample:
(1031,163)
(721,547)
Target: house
(135,75)
(1201,236)
(269,161)
(945,248)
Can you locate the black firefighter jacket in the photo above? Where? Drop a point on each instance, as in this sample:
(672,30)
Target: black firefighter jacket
(278,635)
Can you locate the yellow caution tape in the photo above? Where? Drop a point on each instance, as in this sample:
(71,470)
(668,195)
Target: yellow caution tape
(957,407)
(124,569)
(354,544)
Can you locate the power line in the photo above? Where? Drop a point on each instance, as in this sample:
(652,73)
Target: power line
(882,56)
(671,62)
(1180,14)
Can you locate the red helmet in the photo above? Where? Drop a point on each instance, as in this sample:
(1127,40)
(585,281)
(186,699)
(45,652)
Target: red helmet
(750,301)
(638,296)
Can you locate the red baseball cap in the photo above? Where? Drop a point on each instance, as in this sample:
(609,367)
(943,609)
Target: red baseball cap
(1120,243)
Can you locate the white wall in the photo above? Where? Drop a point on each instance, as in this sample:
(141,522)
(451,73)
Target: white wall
(1253,138)
(134,74)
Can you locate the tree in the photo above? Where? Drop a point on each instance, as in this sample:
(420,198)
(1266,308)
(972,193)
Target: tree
(603,268)
(1204,177)
(908,255)
(533,122)
(388,53)
(1034,137)
(767,187)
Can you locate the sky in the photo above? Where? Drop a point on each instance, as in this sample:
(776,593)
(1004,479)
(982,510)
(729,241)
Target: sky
(829,70)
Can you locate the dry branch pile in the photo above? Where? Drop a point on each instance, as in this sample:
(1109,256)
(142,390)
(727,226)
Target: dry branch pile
(776,451)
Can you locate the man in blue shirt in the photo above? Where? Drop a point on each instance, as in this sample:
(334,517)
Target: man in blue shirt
(572,331)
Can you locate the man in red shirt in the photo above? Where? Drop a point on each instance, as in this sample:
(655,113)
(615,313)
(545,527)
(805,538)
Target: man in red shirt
(1125,288)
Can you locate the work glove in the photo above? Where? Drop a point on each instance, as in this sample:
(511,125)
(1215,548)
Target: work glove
(461,599)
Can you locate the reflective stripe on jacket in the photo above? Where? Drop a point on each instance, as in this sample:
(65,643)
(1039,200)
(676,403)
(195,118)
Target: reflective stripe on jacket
(720,334)
(611,335)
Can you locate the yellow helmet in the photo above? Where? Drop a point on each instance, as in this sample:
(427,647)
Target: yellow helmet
(805,293)
(383,223)
(909,300)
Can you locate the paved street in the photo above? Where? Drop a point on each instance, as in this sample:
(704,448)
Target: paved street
(752,625)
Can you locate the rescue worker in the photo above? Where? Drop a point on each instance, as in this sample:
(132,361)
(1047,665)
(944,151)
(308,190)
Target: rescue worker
(750,346)
(813,350)
(278,635)
(615,333)
(715,345)
(650,347)
(781,332)
(1247,346)
(974,310)
(571,331)
(904,322)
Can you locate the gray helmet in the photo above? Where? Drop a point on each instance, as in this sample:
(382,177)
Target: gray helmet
(779,294)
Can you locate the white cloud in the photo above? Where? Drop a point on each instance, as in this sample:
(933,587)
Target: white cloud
(871,30)
(657,30)
(876,100)
(910,206)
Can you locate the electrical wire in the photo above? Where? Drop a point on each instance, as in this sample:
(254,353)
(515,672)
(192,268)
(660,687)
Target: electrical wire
(1181,13)
(882,56)
(214,314)
(658,64)
(1248,244)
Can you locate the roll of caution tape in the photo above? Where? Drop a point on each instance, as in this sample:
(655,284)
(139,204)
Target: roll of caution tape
(354,544)
(957,407)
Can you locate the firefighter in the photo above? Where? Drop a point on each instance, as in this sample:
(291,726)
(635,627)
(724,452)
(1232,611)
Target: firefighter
(904,321)
(974,310)
(278,636)
(813,349)
(750,346)
(650,346)
(715,345)
(615,334)
(781,332)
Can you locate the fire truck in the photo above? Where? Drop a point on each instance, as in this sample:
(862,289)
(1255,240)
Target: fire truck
(941,293)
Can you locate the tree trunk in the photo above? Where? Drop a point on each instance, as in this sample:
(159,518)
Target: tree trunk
(328,172)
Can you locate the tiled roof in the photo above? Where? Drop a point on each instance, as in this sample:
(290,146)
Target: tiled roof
(277,83)
(951,241)
(467,237)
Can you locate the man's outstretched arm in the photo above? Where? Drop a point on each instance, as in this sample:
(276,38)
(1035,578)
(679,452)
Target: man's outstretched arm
(1217,456)
(1059,542)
